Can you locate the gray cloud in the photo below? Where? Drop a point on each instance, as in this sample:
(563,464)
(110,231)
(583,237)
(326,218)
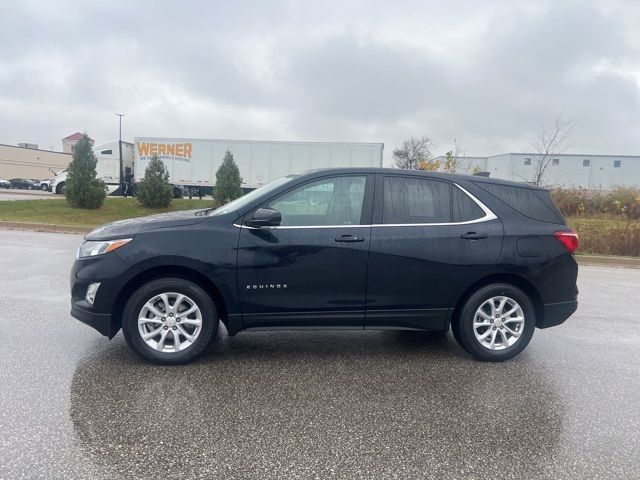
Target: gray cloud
(356,71)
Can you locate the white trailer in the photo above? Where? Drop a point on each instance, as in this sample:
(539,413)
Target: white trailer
(194,162)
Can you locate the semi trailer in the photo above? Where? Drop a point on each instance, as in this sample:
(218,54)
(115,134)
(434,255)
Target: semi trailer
(193,163)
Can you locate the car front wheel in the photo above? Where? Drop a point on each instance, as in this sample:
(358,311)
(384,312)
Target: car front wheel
(170,321)
(495,323)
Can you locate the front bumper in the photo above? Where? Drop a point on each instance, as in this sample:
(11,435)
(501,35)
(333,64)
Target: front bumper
(100,321)
(111,272)
(557,313)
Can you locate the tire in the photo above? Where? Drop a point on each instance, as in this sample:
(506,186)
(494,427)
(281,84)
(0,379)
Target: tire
(60,189)
(164,352)
(44,187)
(505,345)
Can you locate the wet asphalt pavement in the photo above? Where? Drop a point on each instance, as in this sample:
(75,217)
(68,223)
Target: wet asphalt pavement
(312,404)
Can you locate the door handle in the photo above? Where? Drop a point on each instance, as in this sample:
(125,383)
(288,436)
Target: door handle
(349,239)
(474,236)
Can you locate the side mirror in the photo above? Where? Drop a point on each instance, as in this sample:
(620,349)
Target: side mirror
(264,217)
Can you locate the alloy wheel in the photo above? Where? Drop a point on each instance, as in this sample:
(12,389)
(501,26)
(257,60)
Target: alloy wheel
(498,323)
(170,322)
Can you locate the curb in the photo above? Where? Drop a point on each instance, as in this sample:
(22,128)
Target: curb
(44,227)
(609,261)
(604,260)
(37,192)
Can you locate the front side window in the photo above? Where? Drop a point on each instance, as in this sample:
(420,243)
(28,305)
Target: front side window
(330,201)
(245,200)
(415,200)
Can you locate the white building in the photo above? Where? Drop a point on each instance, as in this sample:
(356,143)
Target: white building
(597,172)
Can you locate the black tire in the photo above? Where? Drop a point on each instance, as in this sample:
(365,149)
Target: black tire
(44,187)
(463,330)
(137,301)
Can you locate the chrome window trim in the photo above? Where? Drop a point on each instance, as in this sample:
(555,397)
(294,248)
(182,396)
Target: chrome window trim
(488,216)
(286,227)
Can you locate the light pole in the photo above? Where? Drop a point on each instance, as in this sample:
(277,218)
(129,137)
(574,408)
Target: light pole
(120,115)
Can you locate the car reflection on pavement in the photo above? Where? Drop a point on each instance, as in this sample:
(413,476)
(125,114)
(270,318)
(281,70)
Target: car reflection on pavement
(351,404)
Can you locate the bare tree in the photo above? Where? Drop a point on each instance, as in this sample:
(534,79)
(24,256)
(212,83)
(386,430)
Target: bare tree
(414,151)
(457,162)
(553,140)
(452,163)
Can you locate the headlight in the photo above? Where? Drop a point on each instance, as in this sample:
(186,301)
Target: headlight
(91,248)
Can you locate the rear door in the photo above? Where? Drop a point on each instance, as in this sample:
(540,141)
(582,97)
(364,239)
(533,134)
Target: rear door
(430,240)
(310,270)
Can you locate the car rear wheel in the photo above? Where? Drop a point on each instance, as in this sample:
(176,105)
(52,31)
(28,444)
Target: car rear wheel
(495,323)
(170,321)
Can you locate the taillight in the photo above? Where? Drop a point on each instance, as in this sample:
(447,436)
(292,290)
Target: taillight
(568,239)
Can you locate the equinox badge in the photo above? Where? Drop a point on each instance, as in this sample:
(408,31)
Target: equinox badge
(267,286)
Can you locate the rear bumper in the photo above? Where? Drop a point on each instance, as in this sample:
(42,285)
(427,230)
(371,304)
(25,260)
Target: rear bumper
(557,313)
(100,321)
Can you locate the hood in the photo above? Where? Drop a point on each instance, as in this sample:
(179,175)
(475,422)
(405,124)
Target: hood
(133,226)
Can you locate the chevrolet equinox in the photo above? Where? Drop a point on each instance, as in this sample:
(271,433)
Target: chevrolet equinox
(372,249)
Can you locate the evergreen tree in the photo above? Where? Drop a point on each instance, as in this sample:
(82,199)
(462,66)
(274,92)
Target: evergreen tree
(82,189)
(154,191)
(228,181)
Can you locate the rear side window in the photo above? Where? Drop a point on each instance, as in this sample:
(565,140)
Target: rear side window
(415,200)
(463,208)
(533,203)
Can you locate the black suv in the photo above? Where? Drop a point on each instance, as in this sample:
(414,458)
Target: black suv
(372,249)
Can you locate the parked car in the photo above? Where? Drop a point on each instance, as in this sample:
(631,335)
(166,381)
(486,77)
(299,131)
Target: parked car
(43,185)
(5,183)
(373,249)
(23,183)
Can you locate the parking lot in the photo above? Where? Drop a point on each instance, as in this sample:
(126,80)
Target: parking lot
(312,404)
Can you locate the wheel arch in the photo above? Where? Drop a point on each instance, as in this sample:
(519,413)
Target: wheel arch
(512,279)
(165,271)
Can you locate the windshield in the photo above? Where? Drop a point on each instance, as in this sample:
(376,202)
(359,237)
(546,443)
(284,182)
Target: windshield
(241,202)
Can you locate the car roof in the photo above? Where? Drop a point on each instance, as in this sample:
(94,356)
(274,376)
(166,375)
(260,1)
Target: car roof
(453,177)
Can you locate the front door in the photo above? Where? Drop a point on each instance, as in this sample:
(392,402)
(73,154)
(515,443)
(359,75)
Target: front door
(310,270)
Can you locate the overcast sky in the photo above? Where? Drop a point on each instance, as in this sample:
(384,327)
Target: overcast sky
(487,74)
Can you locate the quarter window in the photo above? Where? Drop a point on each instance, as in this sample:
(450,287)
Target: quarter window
(330,201)
(415,200)
(463,208)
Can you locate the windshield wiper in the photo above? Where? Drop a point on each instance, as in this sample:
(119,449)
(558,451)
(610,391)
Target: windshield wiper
(205,212)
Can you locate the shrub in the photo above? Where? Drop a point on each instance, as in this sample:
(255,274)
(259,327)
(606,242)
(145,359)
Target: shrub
(228,181)
(82,189)
(624,201)
(604,237)
(154,190)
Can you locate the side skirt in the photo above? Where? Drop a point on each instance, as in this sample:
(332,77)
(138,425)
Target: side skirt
(390,319)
